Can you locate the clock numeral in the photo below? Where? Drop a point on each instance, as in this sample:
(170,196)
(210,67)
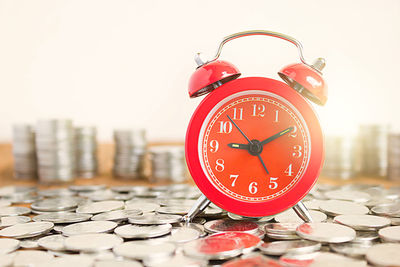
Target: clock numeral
(272,182)
(258,110)
(276,116)
(234,176)
(225,127)
(293,133)
(289,171)
(238,114)
(297,151)
(214,146)
(220,165)
(253,188)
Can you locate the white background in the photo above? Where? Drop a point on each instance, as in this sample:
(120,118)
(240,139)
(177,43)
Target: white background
(121,63)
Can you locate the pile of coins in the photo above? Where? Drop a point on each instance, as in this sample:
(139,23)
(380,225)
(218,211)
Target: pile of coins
(168,164)
(354,225)
(340,155)
(373,150)
(55,149)
(394,157)
(24,152)
(86,152)
(130,153)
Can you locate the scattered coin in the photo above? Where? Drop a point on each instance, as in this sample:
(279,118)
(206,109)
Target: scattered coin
(11,220)
(384,254)
(14,211)
(341,207)
(55,204)
(52,242)
(87,188)
(101,206)
(64,217)
(89,227)
(184,234)
(141,250)
(92,242)
(25,230)
(348,195)
(320,259)
(31,258)
(230,225)
(363,222)
(351,249)
(392,210)
(143,206)
(176,260)
(8,245)
(70,260)
(155,219)
(116,215)
(290,215)
(390,234)
(118,263)
(142,231)
(278,248)
(248,241)
(326,232)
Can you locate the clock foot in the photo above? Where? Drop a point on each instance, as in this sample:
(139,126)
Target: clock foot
(200,205)
(302,212)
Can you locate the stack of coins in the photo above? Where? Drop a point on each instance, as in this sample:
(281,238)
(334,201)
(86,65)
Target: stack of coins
(86,152)
(394,157)
(55,144)
(340,153)
(130,152)
(373,150)
(168,163)
(24,151)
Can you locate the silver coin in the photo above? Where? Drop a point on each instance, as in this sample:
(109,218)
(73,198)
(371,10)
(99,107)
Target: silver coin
(100,255)
(341,207)
(211,212)
(141,250)
(177,260)
(14,211)
(255,219)
(197,226)
(7,259)
(230,225)
(213,248)
(70,260)
(351,249)
(8,245)
(57,192)
(395,221)
(184,234)
(313,204)
(101,206)
(117,263)
(248,241)
(282,228)
(116,215)
(25,230)
(31,258)
(11,220)
(320,259)
(64,217)
(365,237)
(143,206)
(87,188)
(392,210)
(4,203)
(146,219)
(384,254)
(92,242)
(55,204)
(283,236)
(278,248)
(143,231)
(90,227)
(348,195)
(290,216)
(52,212)
(326,232)
(52,242)
(390,234)
(363,222)
(6,191)
(179,210)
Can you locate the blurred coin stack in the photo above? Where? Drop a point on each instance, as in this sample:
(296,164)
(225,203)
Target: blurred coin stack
(373,150)
(394,157)
(168,163)
(86,151)
(24,151)
(340,152)
(55,150)
(130,152)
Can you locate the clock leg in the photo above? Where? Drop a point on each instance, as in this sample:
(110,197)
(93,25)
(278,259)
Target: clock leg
(200,205)
(302,212)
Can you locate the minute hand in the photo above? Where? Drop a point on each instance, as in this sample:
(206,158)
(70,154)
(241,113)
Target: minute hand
(269,139)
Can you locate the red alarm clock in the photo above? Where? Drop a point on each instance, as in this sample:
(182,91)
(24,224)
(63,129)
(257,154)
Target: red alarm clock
(254,145)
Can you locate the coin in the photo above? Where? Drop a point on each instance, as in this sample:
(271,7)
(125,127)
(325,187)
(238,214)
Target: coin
(248,241)
(92,242)
(256,219)
(341,207)
(25,230)
(365,237)
(55,204)
(230,225)
(141,250)
(384,254)
(180,210)
(184,234)
(213,248)
(282,228)
(351,249)
(278,248)
(11,220)
(142,231)
(8,245)
(70,260)
(117,263)
(31,258)
(155,219)
(326,232)
(90,227)
(7,259)
(320,259)
(14,211)
(8,191)
(64,217)
(87,188)
(56,192)
(348,195)
(101,206)
(390,234)
(143,206)
(290,215)
(116,215)
(363,222)
(392,210)
(253,259)
(52,242)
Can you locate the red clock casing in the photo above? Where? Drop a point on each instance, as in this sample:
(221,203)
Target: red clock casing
(280,202)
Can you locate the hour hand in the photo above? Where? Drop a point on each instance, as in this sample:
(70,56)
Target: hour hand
(239,146)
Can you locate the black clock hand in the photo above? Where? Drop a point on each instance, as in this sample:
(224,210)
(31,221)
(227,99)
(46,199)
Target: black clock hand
(269,139)
(259,157)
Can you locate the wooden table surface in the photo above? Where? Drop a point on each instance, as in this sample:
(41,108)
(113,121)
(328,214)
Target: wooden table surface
(105,156)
